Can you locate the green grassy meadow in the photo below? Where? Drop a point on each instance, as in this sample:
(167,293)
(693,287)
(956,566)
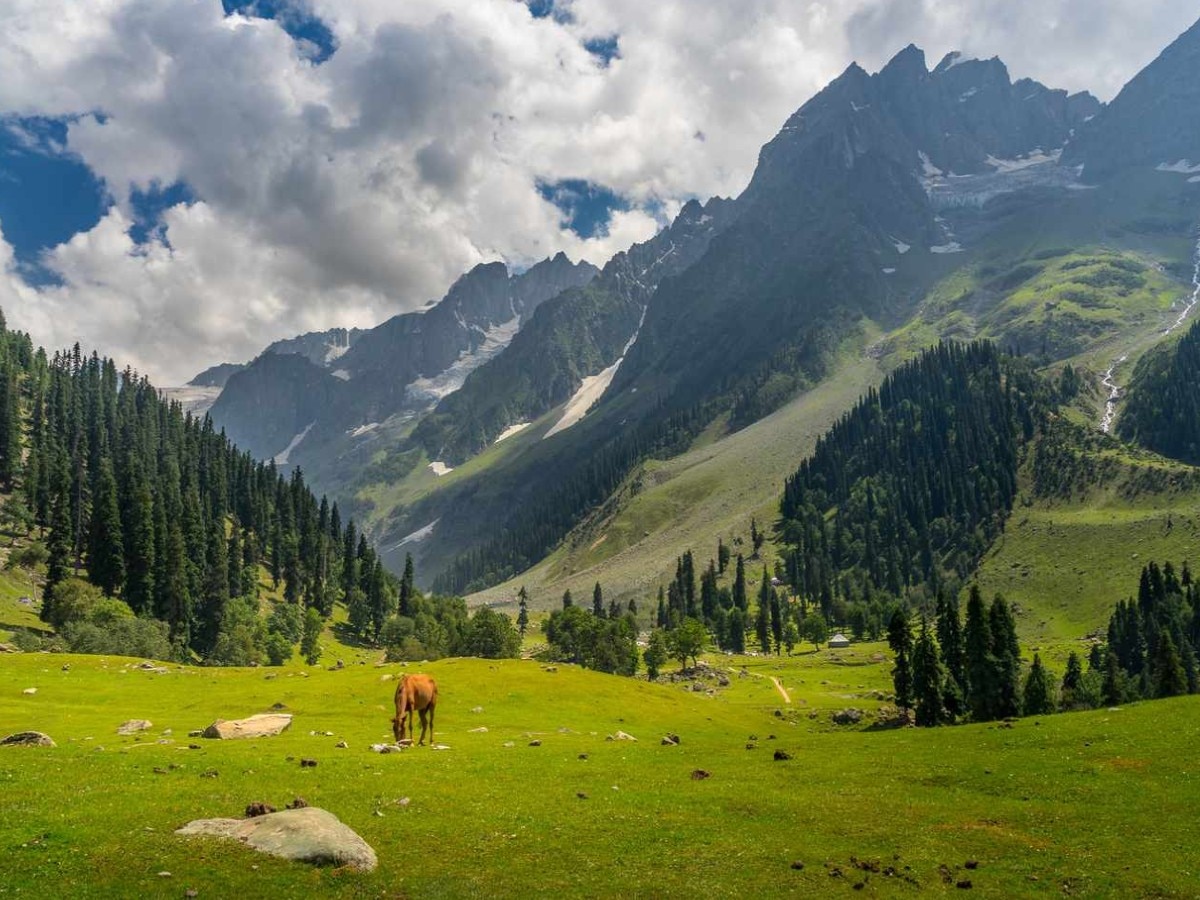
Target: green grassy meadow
(1092,804)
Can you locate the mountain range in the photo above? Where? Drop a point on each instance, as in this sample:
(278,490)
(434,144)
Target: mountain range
(518,419)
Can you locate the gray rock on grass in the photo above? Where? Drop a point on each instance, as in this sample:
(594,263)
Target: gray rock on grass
(133,726)
(262,725)
(28,739)
(308,834)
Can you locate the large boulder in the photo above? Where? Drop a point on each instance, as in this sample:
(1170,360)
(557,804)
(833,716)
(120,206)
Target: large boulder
(848,716)
(27,739)
(262,725)
(308,835)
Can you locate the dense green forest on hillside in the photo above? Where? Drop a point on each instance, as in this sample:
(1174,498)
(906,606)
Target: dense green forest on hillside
(153,530)
(1162,408)
(909,489)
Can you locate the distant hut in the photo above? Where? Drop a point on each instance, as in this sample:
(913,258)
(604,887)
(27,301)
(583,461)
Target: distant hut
(839,642)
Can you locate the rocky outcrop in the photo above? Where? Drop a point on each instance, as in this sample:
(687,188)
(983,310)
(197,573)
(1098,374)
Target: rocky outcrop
(307,834)
(262,725)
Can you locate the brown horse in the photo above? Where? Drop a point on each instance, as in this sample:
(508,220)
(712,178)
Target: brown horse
(414,693)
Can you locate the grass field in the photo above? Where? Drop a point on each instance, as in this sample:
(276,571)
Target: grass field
(1092,804)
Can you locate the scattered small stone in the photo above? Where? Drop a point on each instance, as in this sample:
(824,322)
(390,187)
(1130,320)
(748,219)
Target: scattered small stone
(477,709)
(164,874)
(549,668)
(277,706)
(782,755)
(621,736)
(297,803)
(28,739)
(29,691)
(199,732)
(583,756)
(581,795)
(770,737)
(403,801)
(482,729)
(193,746)
(341,745)
(167,731)
(779,713)
(751,745)
(509,744)
(963,884)
(700,774)
(191,892)
(798,866)
(308,763)
(440,747)
(209,773)
(971,864)
(670,741)
(258,808)
(535,743)
(66,667)
(850,716)
(386,748)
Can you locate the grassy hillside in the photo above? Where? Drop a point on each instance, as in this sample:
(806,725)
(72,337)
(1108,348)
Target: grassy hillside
(1065,559)
(685,503)
(1096,804)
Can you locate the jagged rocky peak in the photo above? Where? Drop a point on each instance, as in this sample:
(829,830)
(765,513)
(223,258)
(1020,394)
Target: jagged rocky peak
(1153,122)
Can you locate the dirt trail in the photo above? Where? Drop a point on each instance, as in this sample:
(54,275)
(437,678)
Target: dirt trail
(782,690)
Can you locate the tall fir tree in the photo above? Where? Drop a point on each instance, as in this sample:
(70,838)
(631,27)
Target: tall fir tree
(901,644)
(928,677)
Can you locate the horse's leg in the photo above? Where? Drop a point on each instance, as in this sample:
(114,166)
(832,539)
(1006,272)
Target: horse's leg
(422,740)
(431,741)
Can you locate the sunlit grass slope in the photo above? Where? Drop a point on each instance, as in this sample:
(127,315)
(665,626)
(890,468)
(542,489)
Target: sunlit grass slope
(1095,804)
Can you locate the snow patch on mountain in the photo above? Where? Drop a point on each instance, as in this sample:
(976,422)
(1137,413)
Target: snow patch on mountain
(1036,158)
(341,373)
(416,537)
(1182,167)
(193,399)
(282,458)
(592,389)
(363,429)
(511,430)
(439,468)
(495,339)
(900,246)
(952,247)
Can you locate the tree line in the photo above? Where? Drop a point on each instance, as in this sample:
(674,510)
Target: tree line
(154,530)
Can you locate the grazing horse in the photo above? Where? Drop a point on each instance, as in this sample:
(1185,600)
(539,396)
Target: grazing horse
(414,693)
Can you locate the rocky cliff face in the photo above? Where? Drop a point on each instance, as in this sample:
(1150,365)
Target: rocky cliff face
(404,365)
(1154,121)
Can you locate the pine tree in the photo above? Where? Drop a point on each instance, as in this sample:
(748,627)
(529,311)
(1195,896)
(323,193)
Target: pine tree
(567,601)
(950,640)
(722,557)
(1169,677)
(661,619)
(407,587)
(735,629)
(762,624)
(523,610)
(777,621)
(982,676)
(597,601)
(1112,687)
(106,553)
(1007,653)
(1039,691)
(1072,681)
(900,641)
(927,680)
(310,646)
(740,600)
